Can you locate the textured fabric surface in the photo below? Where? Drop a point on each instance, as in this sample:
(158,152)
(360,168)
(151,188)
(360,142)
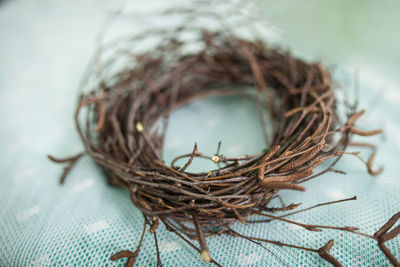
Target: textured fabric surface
(44,48)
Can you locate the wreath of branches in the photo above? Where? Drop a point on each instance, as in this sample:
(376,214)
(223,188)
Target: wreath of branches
(127,117)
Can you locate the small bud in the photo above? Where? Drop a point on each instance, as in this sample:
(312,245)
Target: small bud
(139,127)
(215,159)
(205,256)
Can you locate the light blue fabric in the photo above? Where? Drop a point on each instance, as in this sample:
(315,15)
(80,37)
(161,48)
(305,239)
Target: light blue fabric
(44,46)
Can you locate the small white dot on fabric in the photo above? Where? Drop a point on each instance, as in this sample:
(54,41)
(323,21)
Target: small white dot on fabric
(41,261)
(25,215)
(95,227)
(85,184)
(168,246)
(244,260)
(336,194)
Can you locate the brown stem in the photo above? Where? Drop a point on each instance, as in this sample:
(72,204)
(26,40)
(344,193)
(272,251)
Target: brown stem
(205,255)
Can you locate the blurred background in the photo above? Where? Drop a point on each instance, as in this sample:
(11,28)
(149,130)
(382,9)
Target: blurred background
(45,46)
(362,34)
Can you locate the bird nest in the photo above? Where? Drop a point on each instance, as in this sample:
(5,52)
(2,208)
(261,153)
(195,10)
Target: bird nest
(127,117)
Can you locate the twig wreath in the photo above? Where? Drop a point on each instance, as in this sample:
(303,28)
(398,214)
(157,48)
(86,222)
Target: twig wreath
(124,110)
